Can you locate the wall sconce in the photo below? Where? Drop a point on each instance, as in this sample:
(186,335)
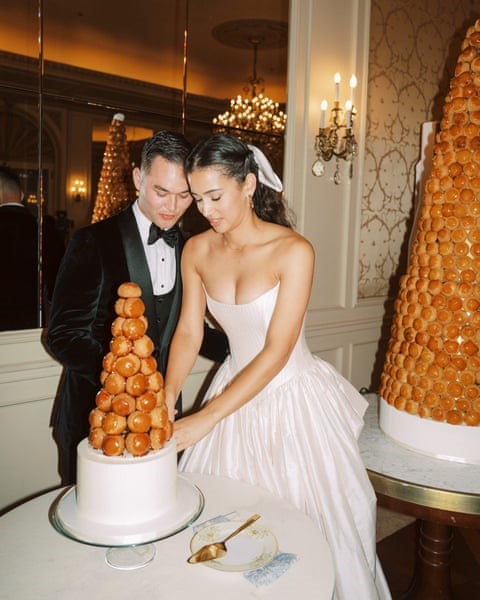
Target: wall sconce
(337,138)
(78,190)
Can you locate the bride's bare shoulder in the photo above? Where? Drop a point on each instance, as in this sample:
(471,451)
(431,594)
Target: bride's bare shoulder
(288,239)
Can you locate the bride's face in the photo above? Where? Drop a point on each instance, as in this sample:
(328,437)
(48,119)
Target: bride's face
(223,201)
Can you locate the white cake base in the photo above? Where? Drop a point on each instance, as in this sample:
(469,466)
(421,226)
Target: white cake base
(123,490)
(450,442)
(66,520)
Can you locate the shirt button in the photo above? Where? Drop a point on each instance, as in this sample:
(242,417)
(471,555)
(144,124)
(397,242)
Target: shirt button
(163,260)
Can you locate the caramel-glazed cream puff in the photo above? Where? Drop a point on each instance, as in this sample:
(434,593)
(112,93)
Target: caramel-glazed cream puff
(431,369)
(130,414)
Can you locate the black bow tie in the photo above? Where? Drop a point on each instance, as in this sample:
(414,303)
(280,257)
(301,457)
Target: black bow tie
(170,236)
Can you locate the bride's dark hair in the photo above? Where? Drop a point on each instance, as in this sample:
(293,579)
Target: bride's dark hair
(235,159)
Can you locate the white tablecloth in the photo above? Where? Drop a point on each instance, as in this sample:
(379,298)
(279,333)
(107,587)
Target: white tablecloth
(38,563)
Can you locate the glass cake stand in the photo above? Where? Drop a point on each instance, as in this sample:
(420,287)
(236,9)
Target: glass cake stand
(130,546)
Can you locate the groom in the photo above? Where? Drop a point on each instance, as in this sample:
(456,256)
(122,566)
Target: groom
(141,244)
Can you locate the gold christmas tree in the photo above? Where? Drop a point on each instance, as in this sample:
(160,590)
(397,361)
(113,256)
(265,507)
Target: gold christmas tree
(115,186)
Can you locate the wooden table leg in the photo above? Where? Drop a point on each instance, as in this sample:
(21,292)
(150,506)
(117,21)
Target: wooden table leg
(432,565)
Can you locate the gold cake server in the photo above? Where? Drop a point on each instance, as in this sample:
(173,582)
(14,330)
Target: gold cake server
(218,549)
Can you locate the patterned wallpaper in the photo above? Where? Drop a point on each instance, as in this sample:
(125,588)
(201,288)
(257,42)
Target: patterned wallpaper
(414,45)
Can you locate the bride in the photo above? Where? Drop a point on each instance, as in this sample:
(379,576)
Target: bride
(275,415)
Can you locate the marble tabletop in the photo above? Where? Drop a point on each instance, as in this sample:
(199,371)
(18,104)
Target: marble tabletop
(39,563)
(449,484)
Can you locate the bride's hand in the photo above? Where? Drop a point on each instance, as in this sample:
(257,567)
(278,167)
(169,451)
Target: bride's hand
(189,430)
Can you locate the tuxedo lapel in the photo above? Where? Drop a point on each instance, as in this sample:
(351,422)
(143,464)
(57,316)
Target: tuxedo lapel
(138,267)
(174,312)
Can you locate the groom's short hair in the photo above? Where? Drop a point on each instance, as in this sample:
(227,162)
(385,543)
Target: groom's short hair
(171,145)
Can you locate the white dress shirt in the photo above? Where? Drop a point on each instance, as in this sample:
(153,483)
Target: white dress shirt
(160,256)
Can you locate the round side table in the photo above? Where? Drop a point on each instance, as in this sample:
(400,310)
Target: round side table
(441,494)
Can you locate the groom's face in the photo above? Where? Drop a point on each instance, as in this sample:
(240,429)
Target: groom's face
(163,192)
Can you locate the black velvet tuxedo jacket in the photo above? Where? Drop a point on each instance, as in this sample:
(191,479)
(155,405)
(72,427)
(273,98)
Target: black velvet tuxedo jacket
(98,259)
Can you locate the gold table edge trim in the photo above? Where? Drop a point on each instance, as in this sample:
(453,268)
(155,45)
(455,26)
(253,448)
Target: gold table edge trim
(461,502)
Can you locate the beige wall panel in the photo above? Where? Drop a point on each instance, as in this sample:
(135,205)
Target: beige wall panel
(327,214)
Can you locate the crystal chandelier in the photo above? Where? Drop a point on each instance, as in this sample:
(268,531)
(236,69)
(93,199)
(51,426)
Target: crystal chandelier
(256,112)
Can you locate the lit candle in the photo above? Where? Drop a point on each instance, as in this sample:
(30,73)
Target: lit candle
(337,79)
(323,106)
(353,85)
(348,110)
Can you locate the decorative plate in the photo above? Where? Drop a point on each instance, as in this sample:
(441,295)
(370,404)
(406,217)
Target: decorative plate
(251,549)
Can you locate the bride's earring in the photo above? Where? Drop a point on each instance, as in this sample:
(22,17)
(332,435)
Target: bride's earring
(250,200)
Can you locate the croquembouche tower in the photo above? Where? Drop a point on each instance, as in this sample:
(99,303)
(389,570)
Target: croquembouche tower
(126,468)
(430,385)
(115,187)
(131,414)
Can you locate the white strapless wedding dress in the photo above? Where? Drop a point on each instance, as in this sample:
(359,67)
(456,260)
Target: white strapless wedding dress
(298,439)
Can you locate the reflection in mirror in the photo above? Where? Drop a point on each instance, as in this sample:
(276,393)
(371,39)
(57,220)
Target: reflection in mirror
(169,72)
(19,143)
(252,115)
